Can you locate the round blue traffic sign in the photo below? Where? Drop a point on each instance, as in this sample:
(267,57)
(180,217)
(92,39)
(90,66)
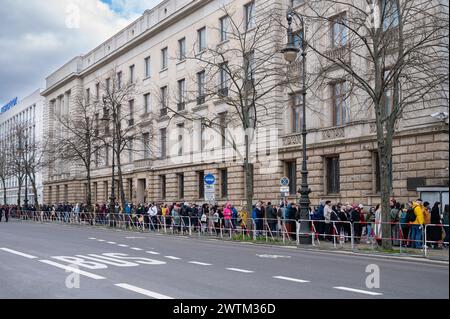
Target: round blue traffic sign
(210,179)
(284,181)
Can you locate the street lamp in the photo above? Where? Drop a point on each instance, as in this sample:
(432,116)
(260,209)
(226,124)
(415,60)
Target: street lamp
(106,119)
(290,54)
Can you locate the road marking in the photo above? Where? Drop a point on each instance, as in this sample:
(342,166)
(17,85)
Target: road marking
(172,257)
(93,238)
(290,279)
(143,291)
(239,270)
(359,291)
(272,256)
(18,253)
(199,263)
(111,242)
(135,248)
(72,269)
(123,245)
(101,240)
(153,252)
(135,237)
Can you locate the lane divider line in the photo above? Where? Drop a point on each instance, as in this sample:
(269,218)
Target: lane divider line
(153,252)
(172,257)
(291,279)
(123,245)
(143,291)
(199,263)
(72,269)
(240,270)
(15,252)
(135,248)
(111,242)
(359,291)
(93,238)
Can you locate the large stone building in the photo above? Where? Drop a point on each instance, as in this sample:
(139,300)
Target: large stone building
(170,150)
(24,115)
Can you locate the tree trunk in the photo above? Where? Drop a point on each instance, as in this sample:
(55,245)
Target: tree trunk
(119,173)
(88,195)
(4,191)
(385,188)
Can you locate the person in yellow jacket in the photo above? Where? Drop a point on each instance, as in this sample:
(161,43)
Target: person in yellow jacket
(417,225)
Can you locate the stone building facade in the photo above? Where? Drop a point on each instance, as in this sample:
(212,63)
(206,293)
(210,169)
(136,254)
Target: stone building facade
(342,159)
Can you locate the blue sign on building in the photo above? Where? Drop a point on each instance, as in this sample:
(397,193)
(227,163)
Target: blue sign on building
(210,179)
(11,103)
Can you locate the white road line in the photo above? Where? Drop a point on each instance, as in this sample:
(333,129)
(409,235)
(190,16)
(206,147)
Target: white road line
(123,245)
(143,291)
(359,291)
(290,279)
(153,252)
(111,242)
(93,238)
(132,237)
(72,269)
(172,257)
(239,270)
(15,252)
(199,263)
(135,248)
(101,240)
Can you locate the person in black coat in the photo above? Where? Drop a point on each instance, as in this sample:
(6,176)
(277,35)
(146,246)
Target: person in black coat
(435,232)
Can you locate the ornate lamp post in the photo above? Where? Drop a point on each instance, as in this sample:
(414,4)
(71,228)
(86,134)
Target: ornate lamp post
(106,119)
(290,54)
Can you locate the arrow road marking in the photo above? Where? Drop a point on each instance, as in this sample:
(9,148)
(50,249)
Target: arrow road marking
(359,291)
(15,252)
(143,291)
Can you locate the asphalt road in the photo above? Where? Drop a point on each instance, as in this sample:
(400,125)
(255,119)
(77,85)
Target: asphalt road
(34,262)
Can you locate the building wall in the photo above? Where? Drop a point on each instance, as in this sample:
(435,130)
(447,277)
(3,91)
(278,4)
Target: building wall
(420,148)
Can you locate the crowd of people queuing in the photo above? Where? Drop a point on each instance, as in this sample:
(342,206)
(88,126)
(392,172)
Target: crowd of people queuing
(328,220)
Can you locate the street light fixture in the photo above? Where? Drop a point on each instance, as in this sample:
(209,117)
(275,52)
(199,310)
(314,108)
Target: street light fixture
(106,119)
(290,54)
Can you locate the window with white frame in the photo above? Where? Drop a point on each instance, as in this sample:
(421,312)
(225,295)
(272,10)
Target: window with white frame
(340,104)
(223,24)
(339,30)
(250,21)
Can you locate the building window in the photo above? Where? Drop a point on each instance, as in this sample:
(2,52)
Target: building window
(180,128)
(389,12)
(333,175)
(163,142)
(339,31)
(291,168)
(341,112)
(106,155)
(164,58)
(105,190)
(223,127)
(180,178)
(224,183)
(223,79)
(201,184)
(164,98)
(388,94)
(249,62)
(66,193)
(131,107)
(147,103)
(88,96)
(119,80)
(201,34)
(147,67)
(376,177)
(200,87)
(108,85)
(146,142)
(202,136)
(181,94)
(132,73)
(224,21)
(130,149)
(182,49)
(97,91)
(250,16)
(162,180)
(296,102)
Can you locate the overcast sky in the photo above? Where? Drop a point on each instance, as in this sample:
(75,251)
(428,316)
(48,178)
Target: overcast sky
(39,36)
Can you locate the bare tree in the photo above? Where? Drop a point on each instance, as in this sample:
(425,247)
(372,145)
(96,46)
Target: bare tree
(394,56)
(79,140)
(5,173)
(16,165)
(243,72)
